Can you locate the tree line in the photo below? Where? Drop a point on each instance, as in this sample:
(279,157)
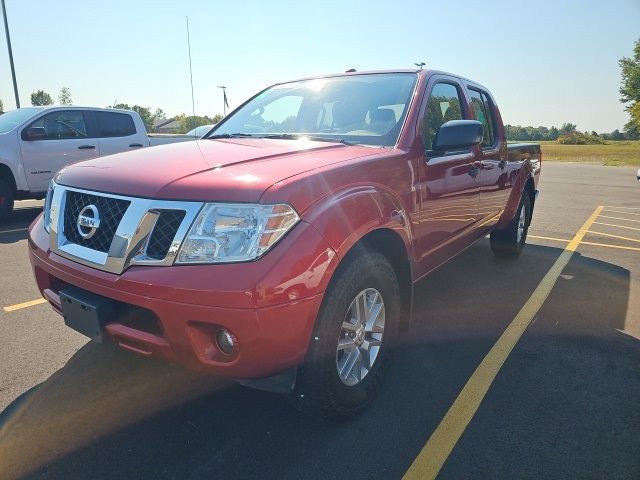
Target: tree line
(567,133)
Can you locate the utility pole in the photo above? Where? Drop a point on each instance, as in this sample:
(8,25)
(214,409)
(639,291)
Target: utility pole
(421,64)
(13,70)
(224,100)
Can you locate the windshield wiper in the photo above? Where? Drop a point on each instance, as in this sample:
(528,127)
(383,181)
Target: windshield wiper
(230,135)
(298,136)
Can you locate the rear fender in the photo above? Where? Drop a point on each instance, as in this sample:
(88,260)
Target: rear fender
(523,173)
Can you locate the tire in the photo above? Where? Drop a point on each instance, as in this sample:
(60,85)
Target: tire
(7,197)
(510,241)
(321,391)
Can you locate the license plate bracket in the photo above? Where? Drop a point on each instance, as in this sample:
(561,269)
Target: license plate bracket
(87,312)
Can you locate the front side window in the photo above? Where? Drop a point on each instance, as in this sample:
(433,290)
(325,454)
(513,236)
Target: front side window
(482,111)
(444,104)
(367,109)
(60,125)
(113,124)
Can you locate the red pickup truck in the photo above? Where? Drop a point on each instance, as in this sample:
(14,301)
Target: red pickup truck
(281,249)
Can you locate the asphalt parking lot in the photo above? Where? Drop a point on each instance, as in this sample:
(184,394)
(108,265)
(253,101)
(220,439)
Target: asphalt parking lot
(564,404)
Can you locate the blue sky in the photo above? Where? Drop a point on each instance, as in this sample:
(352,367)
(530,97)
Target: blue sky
(546,62)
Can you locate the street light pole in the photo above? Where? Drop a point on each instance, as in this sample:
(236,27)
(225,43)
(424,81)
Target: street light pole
(13,70)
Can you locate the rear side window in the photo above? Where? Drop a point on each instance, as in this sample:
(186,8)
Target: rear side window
(60,125)
(482,111)
(112,124)
(444,104)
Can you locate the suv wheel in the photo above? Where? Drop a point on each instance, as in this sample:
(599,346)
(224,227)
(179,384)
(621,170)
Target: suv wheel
(509,242)
(6,200)
(354,329)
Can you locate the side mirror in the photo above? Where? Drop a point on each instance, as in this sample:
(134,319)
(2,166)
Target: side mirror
(456,134)
(34,133)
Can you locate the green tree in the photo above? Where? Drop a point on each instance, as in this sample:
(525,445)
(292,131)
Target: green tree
(1,107)
(158,115)
(65,96)
(41,98)
(191,122)
(567,128)
(216,118)
(616,135)
(630,87)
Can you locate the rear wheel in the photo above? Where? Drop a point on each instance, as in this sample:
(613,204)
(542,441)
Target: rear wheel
(509,242)
(349,345)
(6,200)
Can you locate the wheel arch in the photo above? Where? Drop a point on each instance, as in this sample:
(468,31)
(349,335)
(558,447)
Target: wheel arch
(390,244)
(7,175)
(369,218)
(524,182)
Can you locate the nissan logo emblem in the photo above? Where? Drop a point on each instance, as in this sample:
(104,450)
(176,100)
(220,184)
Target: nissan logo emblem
(88,221)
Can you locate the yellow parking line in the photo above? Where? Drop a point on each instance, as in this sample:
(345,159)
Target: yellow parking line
(553,239)
(618,218)
(615,236)
(618,226)
(608,245)
(437,449)
(14,230)
(18,306)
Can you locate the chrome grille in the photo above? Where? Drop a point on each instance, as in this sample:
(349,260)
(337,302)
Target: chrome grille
(131,230)
(111,212)
(163,233)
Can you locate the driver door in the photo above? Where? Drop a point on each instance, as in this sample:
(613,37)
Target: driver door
(52,141)
(449,182)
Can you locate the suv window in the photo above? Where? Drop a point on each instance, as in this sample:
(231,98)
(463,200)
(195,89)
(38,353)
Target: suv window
(113,124)
(444,104)
(61,125)
(482,112)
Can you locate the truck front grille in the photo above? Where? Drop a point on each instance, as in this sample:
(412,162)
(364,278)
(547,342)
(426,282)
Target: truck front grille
(164,232)
(131,231)
(111,211)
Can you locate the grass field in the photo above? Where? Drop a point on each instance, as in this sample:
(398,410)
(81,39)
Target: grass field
(612,153)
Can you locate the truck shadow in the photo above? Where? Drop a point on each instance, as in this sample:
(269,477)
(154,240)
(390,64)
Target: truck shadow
(15,227)
(563,406)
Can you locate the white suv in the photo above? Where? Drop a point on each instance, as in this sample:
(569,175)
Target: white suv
(35,143)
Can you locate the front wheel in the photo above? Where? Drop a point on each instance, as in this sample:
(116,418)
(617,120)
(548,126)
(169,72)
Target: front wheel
(349,345)
(509,242)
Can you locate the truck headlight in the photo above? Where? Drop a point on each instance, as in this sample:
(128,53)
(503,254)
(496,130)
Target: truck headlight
(47,205)
(225,232)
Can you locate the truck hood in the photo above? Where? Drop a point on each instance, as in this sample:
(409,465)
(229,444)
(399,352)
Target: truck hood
(230,170)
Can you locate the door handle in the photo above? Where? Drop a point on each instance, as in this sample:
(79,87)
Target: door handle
(502,164)
(135,145)
(474,169)
(87,147)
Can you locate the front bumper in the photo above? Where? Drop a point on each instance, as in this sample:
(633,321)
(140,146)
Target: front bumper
(269,305)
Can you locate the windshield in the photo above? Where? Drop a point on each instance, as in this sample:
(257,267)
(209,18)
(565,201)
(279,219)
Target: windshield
(199,131)
(14,118)
(367,109)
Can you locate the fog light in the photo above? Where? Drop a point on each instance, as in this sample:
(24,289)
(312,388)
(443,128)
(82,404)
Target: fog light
(226,341)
